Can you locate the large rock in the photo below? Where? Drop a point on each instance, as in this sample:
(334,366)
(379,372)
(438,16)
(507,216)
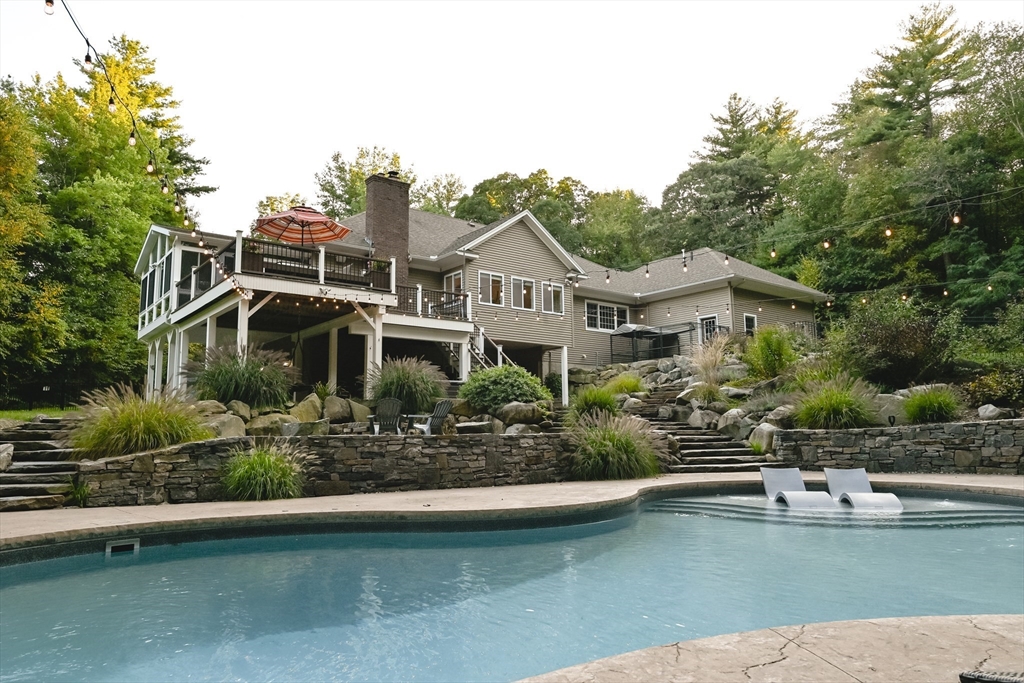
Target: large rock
(640,365)
(686,394)
(461,408)
(337,410)
(991,412)
(268,425)
(654,379)
(225,425)
(681,413)
(763,437)
(736,392)
(729,422)
(520,413)
(733,371)
(665,412)
(309,409)
(521,428)
(682,362)
(717,406)
(479,427)
(703,419)
(907,393)
(632,405)
(666,365)
(781,417)
(890,405)
(210,407)
(240,409)
(360,413)
(6,456)
(317,428)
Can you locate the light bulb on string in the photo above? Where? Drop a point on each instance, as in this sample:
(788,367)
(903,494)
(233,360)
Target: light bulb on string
(793,306)
(758,306)
(828,304)
(669,314)
(151,164)
(111,107)
(726,259)
(48,8)
(164,187)
(888,232)
(648,273)
(131,137)
(945,292)
(177,205)
(607,276)
(697,312)
(87,64)
(904,297)
(863,300)
(773,252)
(826,244)
(186,221)
(201,244)
(989,288)
(956,219)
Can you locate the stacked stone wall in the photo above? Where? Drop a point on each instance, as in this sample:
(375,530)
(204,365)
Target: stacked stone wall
(336,465)
(993,447)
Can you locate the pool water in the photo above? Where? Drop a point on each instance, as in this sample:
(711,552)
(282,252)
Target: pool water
(495,606)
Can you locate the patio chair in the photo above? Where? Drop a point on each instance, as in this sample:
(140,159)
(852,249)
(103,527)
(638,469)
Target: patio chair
(436,419)
(389,410)
(786,485)
(853,487)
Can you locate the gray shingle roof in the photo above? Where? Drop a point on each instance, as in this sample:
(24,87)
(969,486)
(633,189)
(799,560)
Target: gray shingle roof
(429,233)
(702,265)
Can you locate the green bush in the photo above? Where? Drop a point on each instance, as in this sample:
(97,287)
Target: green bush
(1001,387)
(117,421)
(931,405)
(325,389)
(707,393)
(491,388)
(626,383)
(612,447)
(417,383)
(840,403)
(800,375)
(265,473)
(769,352)
(768,402)
(589,401)
(553,383)
(258,377)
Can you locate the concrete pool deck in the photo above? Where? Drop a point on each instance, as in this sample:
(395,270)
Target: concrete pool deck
(908,649)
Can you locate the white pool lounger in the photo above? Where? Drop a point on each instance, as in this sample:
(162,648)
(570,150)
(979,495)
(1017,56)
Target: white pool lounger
(786,485)
(853,487)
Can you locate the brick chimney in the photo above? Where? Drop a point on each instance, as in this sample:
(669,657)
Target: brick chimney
(387,221)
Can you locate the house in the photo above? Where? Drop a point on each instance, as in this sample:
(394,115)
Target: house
(460,294)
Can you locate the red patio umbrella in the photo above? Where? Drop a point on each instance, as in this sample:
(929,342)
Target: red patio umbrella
(301,224)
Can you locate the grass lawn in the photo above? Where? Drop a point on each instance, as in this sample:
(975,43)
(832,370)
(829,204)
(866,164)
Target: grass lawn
(29,414)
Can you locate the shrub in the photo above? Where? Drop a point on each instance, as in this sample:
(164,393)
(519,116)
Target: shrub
(491,388)
(708,357)
(258,377)
(931,405)
(840,403)
(800,375)
(707,393)
(553,383)
(117,421)
(265,473)
(769,352)
(626,383)
(325,389)
(1001,387)
(589,401)
(417,383)
(612,447)
(768,402)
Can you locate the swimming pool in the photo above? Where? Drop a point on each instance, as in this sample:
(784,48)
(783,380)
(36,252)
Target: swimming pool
(496,605)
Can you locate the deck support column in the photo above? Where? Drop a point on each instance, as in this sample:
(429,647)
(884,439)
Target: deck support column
(150,361)
(211,333)
(172,357)
(242,336)
(182,358)
(464,361)
(498,346)
(332,356)
(565,375)
(158,366)
(374,345)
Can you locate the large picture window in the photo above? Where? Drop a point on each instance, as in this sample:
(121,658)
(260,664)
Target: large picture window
(522,294)
(605,317)
(453,281)
(492,290)
(553,298)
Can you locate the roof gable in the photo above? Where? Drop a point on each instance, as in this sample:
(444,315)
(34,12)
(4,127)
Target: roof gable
(531,222)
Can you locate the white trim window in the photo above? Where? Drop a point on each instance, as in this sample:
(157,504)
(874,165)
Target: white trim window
(453,281)
(553,298)
(522,294)
(492,289)
(708,327)
(749,324)
(605,317)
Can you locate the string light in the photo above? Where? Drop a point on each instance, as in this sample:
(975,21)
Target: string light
(49,7)
(648,273)
(989,288)
(698,309)
(726,259)
(111,107)
(904,297)
(826,244)
(945,292)
(774,253)
(793,306)
(758,306)
(88,57)
(151,164)
(607,276)
(669,311)
(131,137)
(863,300)
(888,232)
(828,303)
(164,187)
(177,205)
(186,221)
(956,219)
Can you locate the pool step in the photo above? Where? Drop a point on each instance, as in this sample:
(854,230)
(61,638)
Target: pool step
(738,467)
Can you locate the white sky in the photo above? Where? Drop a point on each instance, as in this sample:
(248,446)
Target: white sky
(615,94)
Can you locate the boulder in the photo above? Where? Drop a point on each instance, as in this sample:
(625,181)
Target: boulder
(665,412)
(337,410)
(461,408)
(640,395)
(309,409)
(666,365)
(654,378)
(746,426)
(686,394)
(268,425)
(620,398)
(6,456)
(520,413)
(479,427)
(360,413)
(781,417)
(733,371)
(606,375)
(764,437)
(225,425)
(717,407)
(240,409)
(674,375)
(522,428)
(729,422)
(736,392)
(908,392)
(681,413)
(890,405)
(632,404)
(703,419)
(210,407)
(649,365)
(991,412)
(315,428)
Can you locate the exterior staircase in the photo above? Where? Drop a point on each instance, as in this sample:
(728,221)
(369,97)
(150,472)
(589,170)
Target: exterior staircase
(700,450)
(40,475)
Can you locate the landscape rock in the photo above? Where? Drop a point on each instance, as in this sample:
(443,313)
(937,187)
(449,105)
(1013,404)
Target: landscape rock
(703,419)
(717,406)
(907,393)
(309,409)
(736,392)
(681,413)
(225,425)
(632,404)
(666,365)
(781,417)
(640,395)
(674,375)
(890,405)
(240,409)
(480,427)
(686,394)
(337,410)
(764,436)
(665,412)
(210,407)
(268,425)
(522,428)
(6,456)
(520,413)
(729,422)
(733,371)
(461,408)
(654,378)
(360,413)
(682,362)
(316,428)
(991,412)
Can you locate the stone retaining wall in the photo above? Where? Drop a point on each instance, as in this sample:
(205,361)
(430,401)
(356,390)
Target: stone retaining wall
(337,465)
(967,448)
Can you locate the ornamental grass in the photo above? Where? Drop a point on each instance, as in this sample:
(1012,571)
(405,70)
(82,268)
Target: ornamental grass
(612,447)
(265,473)
(590,401)
(258,377)
(417,383)
(839,403)
(626,383)
(935,404)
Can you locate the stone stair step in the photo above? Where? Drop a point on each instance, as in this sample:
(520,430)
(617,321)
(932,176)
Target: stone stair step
(35,478)
(704,452)
(688,446)
(744,467)
(16,503)
(14,490)
(721,459)
(15,435)
(22,467)
(35,446)
(51,455)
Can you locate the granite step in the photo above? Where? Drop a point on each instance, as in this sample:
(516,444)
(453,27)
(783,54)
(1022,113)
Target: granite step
(706,452)
(16,503)
(35,445)
(49,455)
(18,490)
(35,477)
(721,459)
(742,467)
(686,445)
(25,467)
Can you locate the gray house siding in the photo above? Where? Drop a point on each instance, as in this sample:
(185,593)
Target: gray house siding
(518,252)
(773,311)
(429,280)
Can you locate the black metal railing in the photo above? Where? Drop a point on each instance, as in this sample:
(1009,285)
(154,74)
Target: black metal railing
(432,303)
(271,258)
(368,272)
